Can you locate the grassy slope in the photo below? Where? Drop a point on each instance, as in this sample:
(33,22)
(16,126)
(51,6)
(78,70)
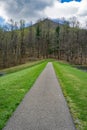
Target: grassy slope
(74,86)
(13,87)
(20,67)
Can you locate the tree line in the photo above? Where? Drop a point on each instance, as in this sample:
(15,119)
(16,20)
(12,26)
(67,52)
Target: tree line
(45,39)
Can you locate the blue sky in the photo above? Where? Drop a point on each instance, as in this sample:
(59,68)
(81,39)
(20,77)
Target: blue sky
(69,0)
(2,21)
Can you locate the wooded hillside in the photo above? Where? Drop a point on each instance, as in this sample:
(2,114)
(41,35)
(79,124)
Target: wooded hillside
(45,39)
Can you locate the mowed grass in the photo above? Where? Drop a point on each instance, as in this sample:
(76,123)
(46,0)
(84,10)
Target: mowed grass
(20,67)
(13,88)
(74,86)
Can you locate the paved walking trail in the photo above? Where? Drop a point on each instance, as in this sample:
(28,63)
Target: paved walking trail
(44,106)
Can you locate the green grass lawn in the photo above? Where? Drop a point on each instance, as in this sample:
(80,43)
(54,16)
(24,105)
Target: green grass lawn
(13,87)
(74,86)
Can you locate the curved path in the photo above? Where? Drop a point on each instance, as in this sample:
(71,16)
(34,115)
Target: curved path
(44,106)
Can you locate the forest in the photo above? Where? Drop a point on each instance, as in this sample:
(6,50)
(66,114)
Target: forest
(44,39)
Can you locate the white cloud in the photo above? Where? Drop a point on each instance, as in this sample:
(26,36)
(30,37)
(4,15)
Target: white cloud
(35,9)
(83,8)
(23,9)
(62,9)
(2,11)
(68,9)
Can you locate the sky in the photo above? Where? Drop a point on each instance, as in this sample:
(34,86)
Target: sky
(32,10)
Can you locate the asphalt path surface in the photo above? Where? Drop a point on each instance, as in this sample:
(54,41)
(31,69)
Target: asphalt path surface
(44,106)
